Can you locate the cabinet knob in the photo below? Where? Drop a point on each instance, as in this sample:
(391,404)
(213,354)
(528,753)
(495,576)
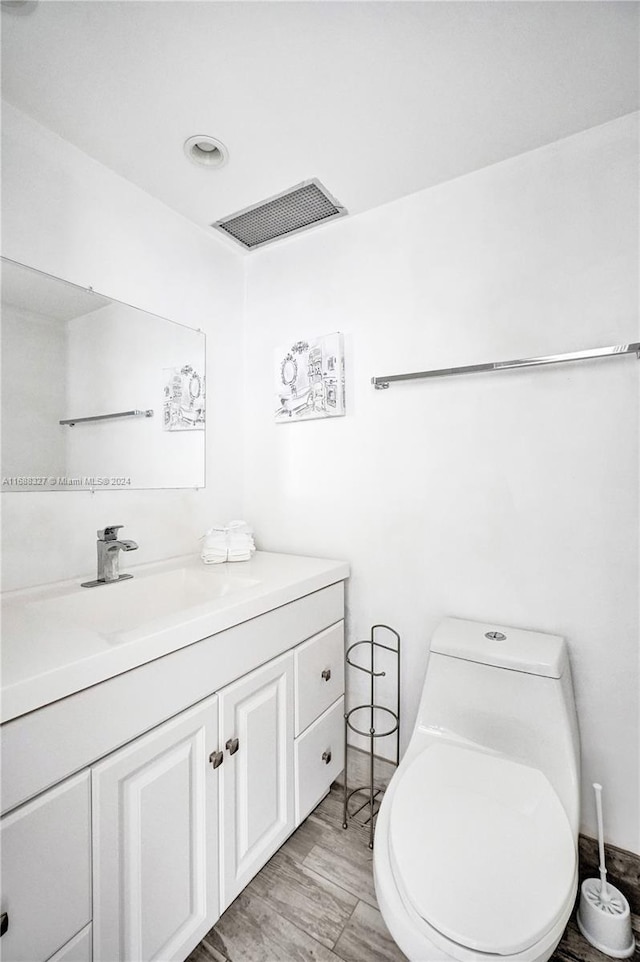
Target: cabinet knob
(326,757)
(232,746)
(4,922)
(216,759)
(326,674)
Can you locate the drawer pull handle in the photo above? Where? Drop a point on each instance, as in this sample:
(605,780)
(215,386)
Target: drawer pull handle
(232,746)
(216,759)
(326,674)
(326,757)
(4,923)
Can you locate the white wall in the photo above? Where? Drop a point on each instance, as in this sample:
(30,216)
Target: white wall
(510,497)
(67,215)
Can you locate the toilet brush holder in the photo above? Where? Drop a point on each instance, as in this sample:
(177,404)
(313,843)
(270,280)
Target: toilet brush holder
(606,923)
(604,917)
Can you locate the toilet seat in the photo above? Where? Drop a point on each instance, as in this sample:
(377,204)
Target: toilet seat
(481,848)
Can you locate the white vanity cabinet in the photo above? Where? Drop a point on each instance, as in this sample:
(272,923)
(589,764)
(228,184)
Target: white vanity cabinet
(151,799)
(155,841)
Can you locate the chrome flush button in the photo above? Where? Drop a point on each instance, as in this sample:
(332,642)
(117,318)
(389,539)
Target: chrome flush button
(495,636)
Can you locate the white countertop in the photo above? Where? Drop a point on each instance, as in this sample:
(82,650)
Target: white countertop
(48,654)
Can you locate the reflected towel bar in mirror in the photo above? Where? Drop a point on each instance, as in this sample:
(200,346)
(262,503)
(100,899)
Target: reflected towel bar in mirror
(106,417)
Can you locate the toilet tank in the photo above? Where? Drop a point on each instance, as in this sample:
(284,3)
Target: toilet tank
(509,691)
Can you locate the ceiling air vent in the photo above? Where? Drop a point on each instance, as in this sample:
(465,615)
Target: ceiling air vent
(287,213)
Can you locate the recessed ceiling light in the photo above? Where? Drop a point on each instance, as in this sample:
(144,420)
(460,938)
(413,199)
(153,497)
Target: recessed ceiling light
(206,151)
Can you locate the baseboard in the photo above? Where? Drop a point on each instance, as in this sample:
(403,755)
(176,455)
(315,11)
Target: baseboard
(623,868)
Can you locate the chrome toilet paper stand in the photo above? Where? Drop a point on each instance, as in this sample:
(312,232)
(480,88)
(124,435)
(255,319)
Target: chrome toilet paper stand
(372,794)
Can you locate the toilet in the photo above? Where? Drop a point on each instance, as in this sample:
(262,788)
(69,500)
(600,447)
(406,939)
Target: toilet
(476,842)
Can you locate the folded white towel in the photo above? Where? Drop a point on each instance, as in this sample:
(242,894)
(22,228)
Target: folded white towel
(215,536)
(214,559)
(230,542)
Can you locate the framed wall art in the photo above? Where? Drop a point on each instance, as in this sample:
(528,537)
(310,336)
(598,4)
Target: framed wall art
(310,379)
(184,399)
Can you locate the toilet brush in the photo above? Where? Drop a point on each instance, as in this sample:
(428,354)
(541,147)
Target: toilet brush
(604,917)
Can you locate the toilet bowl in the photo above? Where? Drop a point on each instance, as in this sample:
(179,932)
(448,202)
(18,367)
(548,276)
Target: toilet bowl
(475,852)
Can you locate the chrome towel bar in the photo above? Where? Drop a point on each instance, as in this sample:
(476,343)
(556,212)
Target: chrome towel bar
(107,417)
(380,383)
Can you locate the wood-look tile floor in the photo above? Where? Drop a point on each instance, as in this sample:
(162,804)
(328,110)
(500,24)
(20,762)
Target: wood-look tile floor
(314,901)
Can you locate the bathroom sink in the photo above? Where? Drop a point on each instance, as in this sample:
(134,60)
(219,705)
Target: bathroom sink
(127,605)
(60,639)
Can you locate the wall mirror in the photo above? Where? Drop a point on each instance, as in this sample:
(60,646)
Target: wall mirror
(96,394)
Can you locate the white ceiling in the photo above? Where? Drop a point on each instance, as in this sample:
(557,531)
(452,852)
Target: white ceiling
(377,99)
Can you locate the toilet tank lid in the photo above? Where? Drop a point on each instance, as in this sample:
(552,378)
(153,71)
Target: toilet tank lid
(519,649)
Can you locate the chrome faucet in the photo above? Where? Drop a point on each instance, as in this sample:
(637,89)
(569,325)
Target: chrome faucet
(109,548)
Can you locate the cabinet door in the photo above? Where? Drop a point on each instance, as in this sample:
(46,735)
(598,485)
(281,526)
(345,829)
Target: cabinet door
(155,823)
(257,791)
(46,871)
(77,949)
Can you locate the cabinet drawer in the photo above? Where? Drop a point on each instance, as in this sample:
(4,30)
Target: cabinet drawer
(77,949)
(319,674)
(319,755)
(46,888)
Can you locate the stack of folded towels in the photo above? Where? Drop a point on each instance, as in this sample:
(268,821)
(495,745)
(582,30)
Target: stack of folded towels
(215,548)
(228,542)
